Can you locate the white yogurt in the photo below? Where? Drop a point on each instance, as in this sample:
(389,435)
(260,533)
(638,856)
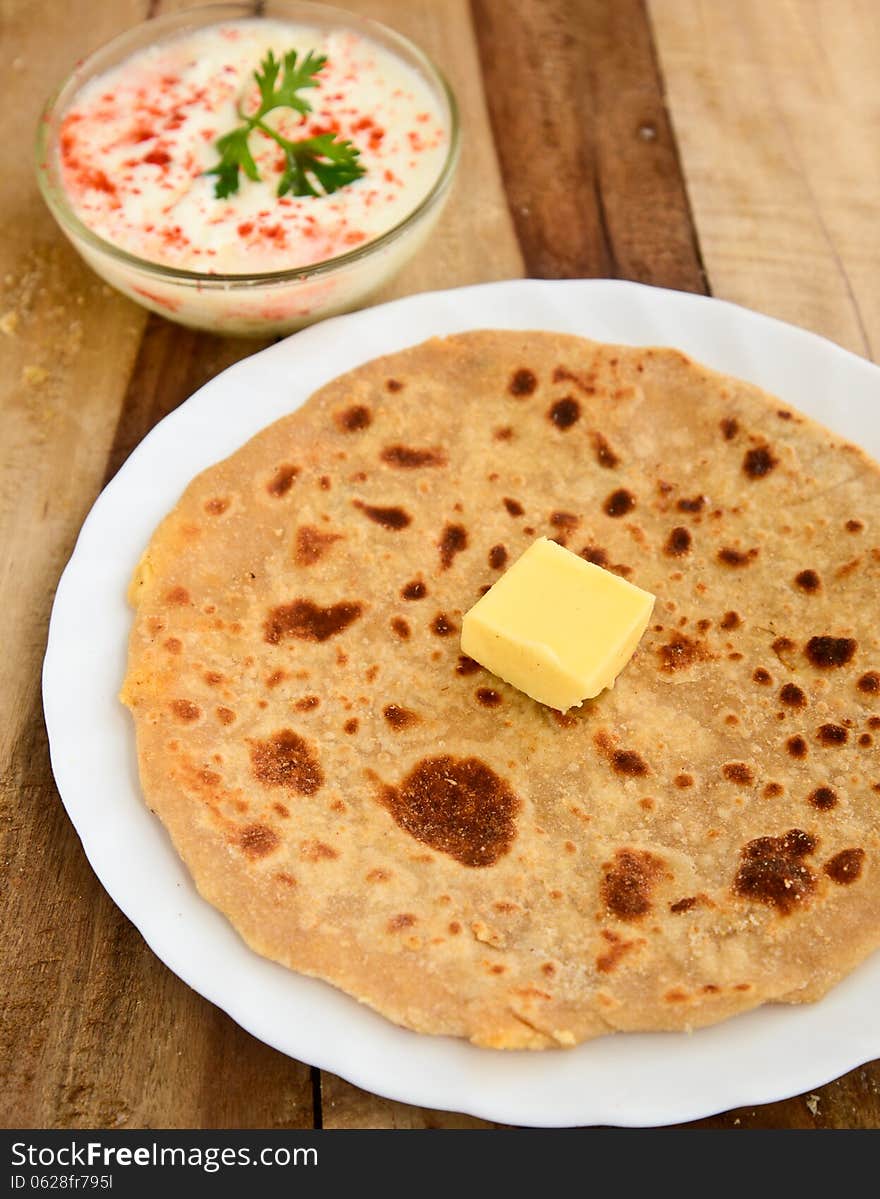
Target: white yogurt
(135,142)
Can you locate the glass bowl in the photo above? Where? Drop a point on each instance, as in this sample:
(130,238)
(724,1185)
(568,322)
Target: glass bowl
(266,303)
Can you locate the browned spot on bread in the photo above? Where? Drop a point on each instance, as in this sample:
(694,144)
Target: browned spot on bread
(617,949)
(595,554)
(213,678)
(174,645)
(488,697)
(280,810)
(731,620)
(467,665)
(678,543)
(353,419)
(442,625)
(257,840)
(729,427)
(823,798)
(829,652)
(628,882)
(797,746)
(548,969)
(695,504)
(351,726)
(458,806)
(849,567)
(728,556)
(498,557)
(762,676)
(454,928)
(377,875)
(684,780)
(398,923)
(406,458)
(282,481)
(185,710)
(317,851)
(400,718)
(401,628)
(792,695)
(304,620)
(565,521)
(845,867)
(216,506)
(869,683)
(514,507)
(832,735)
(561,374)
(287,760)
(179,596)
(452,541)
(772,870)
(389,518)
(738,772)
(605,455)
(522,382)
(312,544)
(225,715)
(415,590)
(628,762)
(681,652)
(854,526)
(808,581)
(758,462)
(772,790)
(276,677)
(287,879)
(504,433)
(683,905)
(564,413)
(619,503)
(307,703)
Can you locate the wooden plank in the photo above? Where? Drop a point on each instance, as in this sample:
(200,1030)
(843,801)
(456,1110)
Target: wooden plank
(774,106)
(587,153)
(771,104)
(67,345)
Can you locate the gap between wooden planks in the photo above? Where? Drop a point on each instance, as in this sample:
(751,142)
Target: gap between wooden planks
(593,186)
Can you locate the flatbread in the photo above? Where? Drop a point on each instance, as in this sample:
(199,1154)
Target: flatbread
(369,807)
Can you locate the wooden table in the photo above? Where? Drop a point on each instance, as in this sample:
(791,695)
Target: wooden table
(728,146)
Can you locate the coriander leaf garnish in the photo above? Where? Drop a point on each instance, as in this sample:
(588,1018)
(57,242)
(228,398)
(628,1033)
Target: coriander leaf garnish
(325,159)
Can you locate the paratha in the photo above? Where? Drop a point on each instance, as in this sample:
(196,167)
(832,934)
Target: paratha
(370,807)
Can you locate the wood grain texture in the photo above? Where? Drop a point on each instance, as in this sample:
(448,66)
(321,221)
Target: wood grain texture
(776,109)
(589,162)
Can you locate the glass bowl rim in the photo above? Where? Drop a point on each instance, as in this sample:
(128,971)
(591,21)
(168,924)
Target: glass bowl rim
(58,204)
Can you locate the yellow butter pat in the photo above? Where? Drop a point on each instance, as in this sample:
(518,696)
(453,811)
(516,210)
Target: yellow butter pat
(558,628)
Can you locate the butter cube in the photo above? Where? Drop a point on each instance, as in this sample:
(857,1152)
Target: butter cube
(558,628)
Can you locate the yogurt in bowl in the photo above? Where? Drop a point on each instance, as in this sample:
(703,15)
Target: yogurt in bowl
(250,175)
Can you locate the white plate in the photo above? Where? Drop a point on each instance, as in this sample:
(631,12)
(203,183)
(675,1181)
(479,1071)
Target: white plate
(628,1079)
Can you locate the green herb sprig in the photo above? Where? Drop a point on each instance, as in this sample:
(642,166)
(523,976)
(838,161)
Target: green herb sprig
(324,160)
